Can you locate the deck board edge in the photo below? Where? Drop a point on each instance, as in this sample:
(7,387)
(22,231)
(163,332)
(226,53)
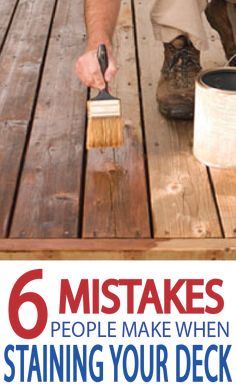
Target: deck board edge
(79,249)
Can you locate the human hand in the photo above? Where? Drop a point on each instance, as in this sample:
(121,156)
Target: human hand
(89,72)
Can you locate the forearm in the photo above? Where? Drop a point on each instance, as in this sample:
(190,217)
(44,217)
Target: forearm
(100,18)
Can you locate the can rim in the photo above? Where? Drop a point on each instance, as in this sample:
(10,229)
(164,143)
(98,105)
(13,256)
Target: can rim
(202,73)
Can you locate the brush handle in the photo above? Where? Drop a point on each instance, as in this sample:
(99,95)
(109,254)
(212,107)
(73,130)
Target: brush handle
(103,61)
(102,55)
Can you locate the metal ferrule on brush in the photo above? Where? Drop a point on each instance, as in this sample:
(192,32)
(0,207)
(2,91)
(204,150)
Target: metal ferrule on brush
(104,108)
(104,105)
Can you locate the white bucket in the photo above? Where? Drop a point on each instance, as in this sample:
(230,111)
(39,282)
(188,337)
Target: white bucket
(215,118)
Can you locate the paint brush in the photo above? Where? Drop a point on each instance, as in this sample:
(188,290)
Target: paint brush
(104,113)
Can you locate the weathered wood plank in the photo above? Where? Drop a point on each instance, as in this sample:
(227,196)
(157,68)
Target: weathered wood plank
(21,58)
(224,181)
(116,202)
(182,203)
(12,136)
(225,186)
(76,249)
(20,63)
(48,200)
(6,11)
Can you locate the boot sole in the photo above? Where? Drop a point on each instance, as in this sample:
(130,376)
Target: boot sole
(180,113)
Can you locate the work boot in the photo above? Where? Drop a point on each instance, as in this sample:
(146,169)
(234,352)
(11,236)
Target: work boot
(175,90)
(217,15)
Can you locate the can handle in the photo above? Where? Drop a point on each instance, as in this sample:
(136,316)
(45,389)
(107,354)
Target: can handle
(229,61)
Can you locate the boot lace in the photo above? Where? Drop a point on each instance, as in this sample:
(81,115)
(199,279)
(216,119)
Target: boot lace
(183,66)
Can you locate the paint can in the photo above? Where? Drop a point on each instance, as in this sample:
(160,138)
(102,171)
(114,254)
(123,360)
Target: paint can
(215,118)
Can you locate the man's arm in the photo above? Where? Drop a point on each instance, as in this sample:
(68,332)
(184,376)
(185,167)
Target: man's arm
(100,18)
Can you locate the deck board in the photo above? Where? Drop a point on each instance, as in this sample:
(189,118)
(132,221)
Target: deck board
(48,200)
(12,136)
(20,64)
(116,202)
(7,9)
(118,249)
(225,187)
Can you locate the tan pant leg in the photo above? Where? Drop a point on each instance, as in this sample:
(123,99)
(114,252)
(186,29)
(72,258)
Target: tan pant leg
(231,6)
(171,18)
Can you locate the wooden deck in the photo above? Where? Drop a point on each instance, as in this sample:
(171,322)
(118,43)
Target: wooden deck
(148,199)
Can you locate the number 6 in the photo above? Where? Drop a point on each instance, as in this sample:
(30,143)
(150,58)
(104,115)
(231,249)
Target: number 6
(17,299)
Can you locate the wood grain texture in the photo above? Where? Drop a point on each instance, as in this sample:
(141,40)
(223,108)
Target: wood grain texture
(12,137)
(19,72)
(6,12)
(182,203)
(141,249)
(21,58)
(115,203)
(224,180)
(225,187)
(48,200)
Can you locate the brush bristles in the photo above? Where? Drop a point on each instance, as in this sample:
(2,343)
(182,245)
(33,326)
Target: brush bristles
(104,132)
